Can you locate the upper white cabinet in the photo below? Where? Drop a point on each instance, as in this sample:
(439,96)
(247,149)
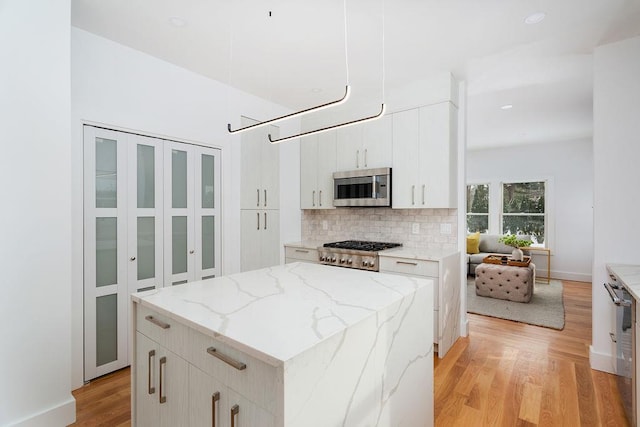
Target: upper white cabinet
(365,146)
(317,164)
(260,168)
(425,157)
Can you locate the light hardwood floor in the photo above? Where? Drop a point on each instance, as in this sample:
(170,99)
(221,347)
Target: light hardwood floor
(504,374)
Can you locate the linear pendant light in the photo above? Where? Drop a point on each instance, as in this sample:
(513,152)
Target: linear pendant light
(328,128)
(347,92)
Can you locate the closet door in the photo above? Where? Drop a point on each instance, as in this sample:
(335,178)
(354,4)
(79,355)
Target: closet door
(207,213)
(145,213)
(179,210)
(106,298)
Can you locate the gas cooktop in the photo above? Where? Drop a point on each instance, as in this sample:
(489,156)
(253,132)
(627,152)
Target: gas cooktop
(359,245)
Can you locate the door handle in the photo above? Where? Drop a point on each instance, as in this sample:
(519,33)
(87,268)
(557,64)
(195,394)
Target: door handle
(258,197)
(423,187)
(365,157)
(235,409)
(163,364)
(215,397)
(258,216)
(265,220)
(265,198)
(357,159)
(413,195)
(320,198)
(313,198)
(150,389)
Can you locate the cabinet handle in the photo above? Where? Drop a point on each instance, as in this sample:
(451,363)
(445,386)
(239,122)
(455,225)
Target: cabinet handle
(163,363)
(303,251)
(365,157)
(132,258)
(234,411)
(265,220)
(265,198)
(406,262)
(423,187)
(313,198)
(151,390)
(157,322)
(192,251)
(258,216)
(227,359)
(214,398)
(413,195)
(320,198)
(258,198)
(357,159)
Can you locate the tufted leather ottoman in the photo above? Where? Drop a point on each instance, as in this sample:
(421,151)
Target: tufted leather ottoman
(505,282)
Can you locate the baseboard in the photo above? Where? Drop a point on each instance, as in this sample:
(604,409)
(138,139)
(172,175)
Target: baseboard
(566,275)
(60,415)
(600,361)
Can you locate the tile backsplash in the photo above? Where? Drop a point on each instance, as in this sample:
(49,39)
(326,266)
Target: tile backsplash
(384,225)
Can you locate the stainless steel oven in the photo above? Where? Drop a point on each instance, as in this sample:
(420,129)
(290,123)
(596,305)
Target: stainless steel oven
(624,339)
(362,187)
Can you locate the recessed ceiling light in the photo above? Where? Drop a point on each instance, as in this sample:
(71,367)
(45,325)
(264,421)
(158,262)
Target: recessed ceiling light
(507,106)
(535,18)
(177,22)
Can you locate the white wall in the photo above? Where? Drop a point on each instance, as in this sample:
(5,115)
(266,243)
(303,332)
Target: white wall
(569,166)
(616,148)
(124,88)
(35,242)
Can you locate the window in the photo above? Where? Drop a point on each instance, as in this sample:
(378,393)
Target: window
(523,209)
(477,208)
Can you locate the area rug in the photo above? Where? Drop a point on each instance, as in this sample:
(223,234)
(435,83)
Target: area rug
(546,307)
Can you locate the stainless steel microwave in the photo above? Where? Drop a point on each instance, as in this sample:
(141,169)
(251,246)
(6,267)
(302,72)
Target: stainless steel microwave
(362,187)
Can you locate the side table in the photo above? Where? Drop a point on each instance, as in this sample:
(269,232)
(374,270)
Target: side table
(541,249)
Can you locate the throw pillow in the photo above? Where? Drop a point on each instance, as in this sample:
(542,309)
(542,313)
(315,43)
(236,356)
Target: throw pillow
(473,243)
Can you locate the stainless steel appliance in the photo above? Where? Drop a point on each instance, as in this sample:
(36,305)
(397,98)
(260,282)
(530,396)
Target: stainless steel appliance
(362,187)
(357,254)
(624,339)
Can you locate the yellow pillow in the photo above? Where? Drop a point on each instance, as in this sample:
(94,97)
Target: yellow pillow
(473,243)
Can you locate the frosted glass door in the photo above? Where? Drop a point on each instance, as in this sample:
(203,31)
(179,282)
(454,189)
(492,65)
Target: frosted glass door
(145,208)
(207,212)
(105,273)
(179,247)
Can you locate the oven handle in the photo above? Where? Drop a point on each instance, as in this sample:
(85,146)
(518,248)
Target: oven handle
(616,300)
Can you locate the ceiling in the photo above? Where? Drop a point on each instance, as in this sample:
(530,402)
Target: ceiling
(293,52)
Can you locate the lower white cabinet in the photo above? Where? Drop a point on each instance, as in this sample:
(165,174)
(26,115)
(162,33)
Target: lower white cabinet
(259,238)
(296,253)
(162,385)
(211,403)
(445,272)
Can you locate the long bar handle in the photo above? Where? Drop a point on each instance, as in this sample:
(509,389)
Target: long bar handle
(302,251)
(320,198)
(163,363)
(265,198)
(616,300)
(365,157)
(265,220)
(157,322)
(357,159)
(235,409)
(151,390)
(406,262)
(258,215)
(413,194)
(258,198)
(313,198)
(423,188)
(214,398)
(226,359)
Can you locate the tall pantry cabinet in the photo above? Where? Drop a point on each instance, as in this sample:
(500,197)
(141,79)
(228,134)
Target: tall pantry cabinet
(259,198)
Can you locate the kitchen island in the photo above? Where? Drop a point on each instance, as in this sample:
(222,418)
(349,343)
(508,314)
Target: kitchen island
(293,345)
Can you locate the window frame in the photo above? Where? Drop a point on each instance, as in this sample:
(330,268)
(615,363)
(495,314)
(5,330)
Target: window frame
(545,215)
(488,214)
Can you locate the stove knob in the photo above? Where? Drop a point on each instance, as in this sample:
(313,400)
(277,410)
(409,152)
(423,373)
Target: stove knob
(342,260)
(323,258)
(372,263)
(364,263)
(349,261)
(333,259)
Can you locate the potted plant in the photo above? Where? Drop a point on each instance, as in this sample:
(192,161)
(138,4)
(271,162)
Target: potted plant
(513,240)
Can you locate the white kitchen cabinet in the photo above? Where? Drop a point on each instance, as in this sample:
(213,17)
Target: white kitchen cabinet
(317,165)
(162,385)
(259,238)
(365,146)
(425,157)
(259,168)
(444,270)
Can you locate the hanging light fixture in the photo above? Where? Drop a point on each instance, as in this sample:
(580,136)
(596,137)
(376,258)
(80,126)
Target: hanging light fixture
(353,122)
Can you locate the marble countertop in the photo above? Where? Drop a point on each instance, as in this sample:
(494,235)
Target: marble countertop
(277,313)
(629,275)
(400,252)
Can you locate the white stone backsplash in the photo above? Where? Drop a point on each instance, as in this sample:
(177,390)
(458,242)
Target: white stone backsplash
(383,225)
